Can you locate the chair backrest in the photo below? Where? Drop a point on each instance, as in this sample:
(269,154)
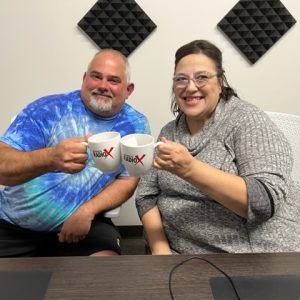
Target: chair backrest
(289,124)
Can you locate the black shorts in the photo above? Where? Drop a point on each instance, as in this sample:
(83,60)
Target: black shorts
(16,241)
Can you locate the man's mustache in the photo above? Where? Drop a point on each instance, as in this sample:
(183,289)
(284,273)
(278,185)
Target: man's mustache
(101,93)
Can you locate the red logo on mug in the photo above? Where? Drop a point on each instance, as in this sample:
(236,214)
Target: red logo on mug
(139,159)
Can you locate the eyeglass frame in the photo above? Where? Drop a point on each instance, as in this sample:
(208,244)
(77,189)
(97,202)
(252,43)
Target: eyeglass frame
(208,76)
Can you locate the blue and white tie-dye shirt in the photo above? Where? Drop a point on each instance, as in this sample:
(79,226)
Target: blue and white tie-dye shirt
(43,203)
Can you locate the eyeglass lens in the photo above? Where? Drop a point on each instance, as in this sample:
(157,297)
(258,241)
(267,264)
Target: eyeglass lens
(199,79)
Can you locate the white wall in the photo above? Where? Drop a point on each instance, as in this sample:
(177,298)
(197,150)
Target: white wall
(43,51)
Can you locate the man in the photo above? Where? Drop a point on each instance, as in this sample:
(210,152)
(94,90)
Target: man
(54,199)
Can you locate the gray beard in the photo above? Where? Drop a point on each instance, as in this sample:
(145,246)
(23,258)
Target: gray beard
(100,106)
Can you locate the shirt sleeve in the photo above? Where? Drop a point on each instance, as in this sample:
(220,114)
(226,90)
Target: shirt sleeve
(24,133)
(32,127)
(264,160)
(147,192)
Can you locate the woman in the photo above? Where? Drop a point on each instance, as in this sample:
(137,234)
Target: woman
(221,179)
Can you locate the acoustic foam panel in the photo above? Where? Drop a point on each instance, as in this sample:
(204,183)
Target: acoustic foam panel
(255,26)
(117,24)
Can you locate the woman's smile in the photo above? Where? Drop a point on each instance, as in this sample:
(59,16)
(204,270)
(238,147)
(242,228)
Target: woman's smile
(192,99)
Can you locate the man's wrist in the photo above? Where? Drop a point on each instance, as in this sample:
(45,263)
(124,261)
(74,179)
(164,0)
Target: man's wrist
(48,159)
(88,209)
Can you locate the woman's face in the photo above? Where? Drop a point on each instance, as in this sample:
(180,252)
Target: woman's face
(198,98)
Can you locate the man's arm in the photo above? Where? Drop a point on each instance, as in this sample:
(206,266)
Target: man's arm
(113,195)
(77,226)
(17,167)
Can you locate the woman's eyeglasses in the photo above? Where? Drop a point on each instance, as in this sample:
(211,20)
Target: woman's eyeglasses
(199,79)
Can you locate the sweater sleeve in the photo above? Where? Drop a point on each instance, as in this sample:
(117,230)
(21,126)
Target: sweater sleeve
(264,160)
(147,192)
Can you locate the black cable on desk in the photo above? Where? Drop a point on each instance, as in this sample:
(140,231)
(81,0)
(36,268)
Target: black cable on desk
(209,262)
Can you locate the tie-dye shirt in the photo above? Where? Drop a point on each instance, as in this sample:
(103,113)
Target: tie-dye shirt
(44,203)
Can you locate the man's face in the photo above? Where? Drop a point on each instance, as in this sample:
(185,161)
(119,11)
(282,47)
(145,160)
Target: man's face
(105,87)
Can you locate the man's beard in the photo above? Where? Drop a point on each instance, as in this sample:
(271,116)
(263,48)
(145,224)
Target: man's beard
(100,105)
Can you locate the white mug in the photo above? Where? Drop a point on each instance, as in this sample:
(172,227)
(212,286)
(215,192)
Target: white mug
(105,150)
(138,152)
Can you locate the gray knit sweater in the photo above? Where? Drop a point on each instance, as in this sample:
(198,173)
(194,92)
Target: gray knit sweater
(239,139)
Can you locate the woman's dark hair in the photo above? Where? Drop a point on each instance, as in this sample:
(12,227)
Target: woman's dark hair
(214,53)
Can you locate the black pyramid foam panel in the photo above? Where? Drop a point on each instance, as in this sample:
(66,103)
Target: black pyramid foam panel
(117,24)
(255,26)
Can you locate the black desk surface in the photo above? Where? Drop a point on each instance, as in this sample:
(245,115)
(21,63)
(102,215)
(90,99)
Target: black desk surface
(144,276)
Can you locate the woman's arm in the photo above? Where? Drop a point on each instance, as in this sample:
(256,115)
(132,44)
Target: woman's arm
(153,227)
(147,195)
(227,189)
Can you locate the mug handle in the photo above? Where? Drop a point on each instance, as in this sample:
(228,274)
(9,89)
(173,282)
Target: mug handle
(87,145)
(157,144)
